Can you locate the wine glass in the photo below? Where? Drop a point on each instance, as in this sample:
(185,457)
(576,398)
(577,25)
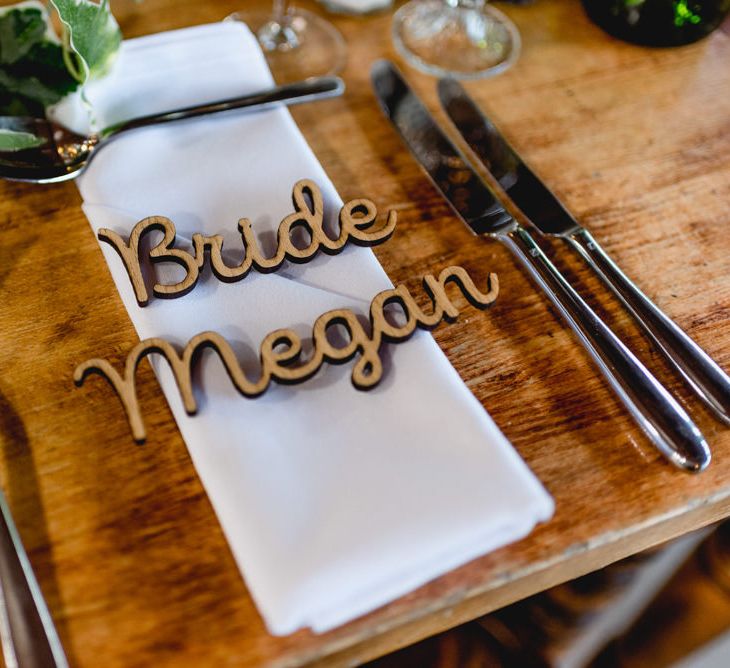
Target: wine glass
(297,44)
(466,39)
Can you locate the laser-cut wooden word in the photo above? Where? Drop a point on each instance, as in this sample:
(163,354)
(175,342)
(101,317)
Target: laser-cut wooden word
(357,218)
(281,350)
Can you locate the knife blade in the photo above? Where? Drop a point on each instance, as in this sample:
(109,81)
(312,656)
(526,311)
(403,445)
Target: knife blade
(663,420)
(547,213)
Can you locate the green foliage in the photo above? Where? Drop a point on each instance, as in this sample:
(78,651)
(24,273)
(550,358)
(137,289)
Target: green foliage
(11,140)
(37,69)
(92,35)
(32,72)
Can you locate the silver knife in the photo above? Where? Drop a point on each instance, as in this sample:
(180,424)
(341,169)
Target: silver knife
(546,212)
(663,420)
(29,638)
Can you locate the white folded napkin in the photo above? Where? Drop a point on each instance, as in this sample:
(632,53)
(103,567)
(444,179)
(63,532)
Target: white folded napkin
(334,501)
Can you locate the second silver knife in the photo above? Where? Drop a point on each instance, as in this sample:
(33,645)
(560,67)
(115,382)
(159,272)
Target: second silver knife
(546,212)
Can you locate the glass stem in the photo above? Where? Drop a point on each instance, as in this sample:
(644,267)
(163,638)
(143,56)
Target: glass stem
(466,4)
(280,14)
(278,34)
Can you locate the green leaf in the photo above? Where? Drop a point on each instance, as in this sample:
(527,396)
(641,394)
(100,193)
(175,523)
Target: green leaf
(18,141)
(32,73)
(29,87)
(92,34)
(20,29)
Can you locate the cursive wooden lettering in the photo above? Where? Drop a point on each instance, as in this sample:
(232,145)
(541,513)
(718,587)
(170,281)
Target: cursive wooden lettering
(281,350)
(357,220)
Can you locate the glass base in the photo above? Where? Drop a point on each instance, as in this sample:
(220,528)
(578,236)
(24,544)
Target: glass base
(461,42)
(301,47)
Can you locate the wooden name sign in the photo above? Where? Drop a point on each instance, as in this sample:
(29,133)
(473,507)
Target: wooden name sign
(281,350)
(357,219)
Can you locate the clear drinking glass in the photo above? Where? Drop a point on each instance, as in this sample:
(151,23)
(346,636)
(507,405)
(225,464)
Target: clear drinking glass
(466,39)
(297,44)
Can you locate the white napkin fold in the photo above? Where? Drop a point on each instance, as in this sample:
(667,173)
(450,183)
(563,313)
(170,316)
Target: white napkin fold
(334,501)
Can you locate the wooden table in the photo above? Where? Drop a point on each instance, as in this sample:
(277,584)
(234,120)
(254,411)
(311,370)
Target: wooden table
(123,539)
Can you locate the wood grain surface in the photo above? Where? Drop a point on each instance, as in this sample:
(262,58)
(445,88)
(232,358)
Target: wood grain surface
(636,142)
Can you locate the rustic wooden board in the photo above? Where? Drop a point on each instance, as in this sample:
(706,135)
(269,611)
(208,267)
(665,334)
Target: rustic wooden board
(127,549)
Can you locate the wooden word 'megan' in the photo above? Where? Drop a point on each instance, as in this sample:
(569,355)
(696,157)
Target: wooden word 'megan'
(357,218)
(281,350)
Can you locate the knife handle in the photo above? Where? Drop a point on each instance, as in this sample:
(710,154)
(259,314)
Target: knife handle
(29,638)
(702,373)
(663,420)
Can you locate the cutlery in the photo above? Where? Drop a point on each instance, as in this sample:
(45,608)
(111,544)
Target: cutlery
(548,214)
(29,639)
(64,154)
(663,420)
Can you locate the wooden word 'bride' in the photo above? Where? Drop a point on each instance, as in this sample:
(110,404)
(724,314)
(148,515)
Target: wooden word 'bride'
(281,350)
(357,218)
